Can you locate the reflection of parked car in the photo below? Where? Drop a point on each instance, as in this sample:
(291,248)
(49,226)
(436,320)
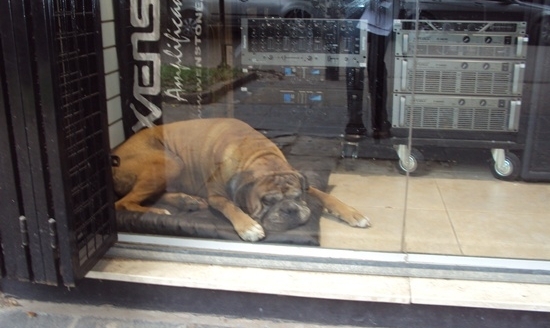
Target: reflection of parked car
(537,16)
(237,9)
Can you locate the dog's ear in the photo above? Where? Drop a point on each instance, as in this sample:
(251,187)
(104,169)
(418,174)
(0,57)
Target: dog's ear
(303,181)
(237,184)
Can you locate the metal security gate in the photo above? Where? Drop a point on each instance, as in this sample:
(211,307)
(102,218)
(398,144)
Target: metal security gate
(537,149)
(59,140)
(13,260)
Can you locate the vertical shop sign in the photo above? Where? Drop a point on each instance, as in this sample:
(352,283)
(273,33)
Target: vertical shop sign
(166,45)
(145,20)
(198,52)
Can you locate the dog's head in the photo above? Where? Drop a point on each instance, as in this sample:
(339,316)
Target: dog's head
(275,200)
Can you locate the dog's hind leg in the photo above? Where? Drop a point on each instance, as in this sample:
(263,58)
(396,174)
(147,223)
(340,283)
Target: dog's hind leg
(183,201)
(143,190)
(150,182)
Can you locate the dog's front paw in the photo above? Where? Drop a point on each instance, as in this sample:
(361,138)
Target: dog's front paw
(159,211)
(353,217)
(360,221)
(253,232)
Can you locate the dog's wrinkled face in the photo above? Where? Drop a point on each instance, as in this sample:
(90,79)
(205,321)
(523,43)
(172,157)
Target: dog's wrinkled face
(276,201)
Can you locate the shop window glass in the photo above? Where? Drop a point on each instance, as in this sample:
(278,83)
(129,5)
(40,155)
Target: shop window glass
(427,117)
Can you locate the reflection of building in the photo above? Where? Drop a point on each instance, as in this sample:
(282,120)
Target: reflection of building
(310,55)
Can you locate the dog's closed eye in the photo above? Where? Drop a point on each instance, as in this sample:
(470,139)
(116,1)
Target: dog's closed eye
(271,199)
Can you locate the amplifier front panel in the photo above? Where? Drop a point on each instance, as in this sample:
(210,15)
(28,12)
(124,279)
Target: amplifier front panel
(472,39)
(455,76)
(456,113)
(303,42)
(458,75)
(405,46)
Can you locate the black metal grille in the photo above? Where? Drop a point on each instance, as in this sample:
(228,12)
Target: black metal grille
(83,129)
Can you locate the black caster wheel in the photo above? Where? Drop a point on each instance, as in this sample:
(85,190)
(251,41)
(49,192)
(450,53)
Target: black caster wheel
(349,149)
(411,165)
(510,170)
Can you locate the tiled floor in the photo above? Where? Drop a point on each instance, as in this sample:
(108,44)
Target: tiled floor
(452,208)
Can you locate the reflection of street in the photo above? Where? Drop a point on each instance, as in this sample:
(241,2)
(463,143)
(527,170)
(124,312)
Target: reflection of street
(265,103)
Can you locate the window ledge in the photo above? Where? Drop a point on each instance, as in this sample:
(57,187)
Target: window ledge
(187,268)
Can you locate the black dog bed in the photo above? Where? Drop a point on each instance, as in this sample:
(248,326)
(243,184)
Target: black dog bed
(211,224)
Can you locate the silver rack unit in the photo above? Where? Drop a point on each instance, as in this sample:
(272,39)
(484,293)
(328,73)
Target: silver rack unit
(484,62)
(303,42)
(460,80)
(496,40)
(457,113)
(459,76)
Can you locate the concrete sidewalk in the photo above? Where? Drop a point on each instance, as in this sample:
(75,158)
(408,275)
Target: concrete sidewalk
(101,303)
(24,313)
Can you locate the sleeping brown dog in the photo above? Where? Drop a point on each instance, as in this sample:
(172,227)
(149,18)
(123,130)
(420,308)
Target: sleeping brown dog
(223,163)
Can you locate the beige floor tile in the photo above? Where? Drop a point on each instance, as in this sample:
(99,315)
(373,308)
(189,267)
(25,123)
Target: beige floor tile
(494,195)
(369,191)
(490,217)
(384,235)
(503,234)
(424,194)
(430,232)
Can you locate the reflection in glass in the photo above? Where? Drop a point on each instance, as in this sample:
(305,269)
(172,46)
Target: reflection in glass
(428,119)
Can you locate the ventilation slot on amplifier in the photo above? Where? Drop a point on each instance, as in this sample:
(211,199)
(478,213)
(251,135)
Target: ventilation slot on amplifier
(455,119)
(467,83)
(464,51)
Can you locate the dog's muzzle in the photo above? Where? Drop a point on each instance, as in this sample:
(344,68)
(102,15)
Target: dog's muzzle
(286,215)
